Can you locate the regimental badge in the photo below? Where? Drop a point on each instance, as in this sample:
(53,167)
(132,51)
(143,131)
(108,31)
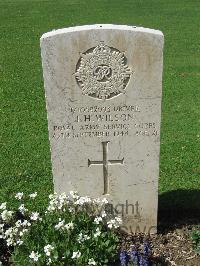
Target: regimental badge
(102,72)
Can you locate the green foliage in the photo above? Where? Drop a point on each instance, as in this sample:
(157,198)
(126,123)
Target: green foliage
(196,240)
(73,230)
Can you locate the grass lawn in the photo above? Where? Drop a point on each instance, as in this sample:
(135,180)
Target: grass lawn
(25,155)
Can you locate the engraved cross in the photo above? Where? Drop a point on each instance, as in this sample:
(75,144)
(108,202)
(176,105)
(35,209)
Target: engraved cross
(105,164)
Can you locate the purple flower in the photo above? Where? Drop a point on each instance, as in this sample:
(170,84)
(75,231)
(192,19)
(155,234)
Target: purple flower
(146,262)
(134,255)
(124,258)
(140,260)
(146,248)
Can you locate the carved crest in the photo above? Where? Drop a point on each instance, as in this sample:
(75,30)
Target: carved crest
(102,73)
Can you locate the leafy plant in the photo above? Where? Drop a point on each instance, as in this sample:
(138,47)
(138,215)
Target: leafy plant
(73,230)
(196,240)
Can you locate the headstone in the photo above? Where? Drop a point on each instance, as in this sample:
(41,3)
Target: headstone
(103,87)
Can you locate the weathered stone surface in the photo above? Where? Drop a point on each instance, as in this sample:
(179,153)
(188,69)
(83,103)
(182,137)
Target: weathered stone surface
(103,87)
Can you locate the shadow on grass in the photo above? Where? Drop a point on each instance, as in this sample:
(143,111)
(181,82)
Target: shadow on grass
(178,208)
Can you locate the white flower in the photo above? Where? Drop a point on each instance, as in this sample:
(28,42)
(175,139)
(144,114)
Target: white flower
(97,233)
(49,261)
(76,255)
(118,220)
(22,209)
(18,223)
(34,216)
(51,208)
(70,209)
(1,227)
(10,242)
(26,223)
(69,226)
(104,201)
(21,233)
(82,238)
(114,222)
(82,200)
(74,194)
(63,196)
(19,195)
(9,235)
(2,236)
(103,214)
(97,220)
(88,199)
(33,195)
(51,196)
(3,206)
(34,256)
(57,202)
(91,262)
(6,215)
(47,249)
(100,201)
(60,224)
(97,200)
(110,223)
(19,242)
(9,232)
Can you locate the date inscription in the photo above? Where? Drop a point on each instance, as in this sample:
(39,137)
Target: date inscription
(104,121)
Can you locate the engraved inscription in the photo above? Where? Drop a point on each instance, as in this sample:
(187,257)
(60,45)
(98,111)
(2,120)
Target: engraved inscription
(105,164)
(105,121)
(102,73)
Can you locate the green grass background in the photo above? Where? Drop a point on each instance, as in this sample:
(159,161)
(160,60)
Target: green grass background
(25,155)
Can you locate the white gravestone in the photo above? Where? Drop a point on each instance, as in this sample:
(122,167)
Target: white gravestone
(103,86)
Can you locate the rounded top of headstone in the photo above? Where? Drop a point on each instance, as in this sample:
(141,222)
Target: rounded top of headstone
(101,27)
